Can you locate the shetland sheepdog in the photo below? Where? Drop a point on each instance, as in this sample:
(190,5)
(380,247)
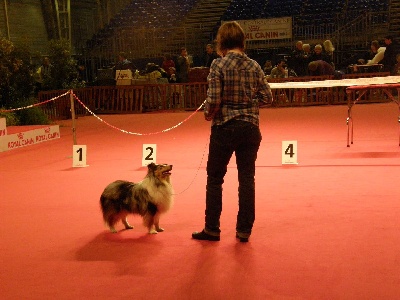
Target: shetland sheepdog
(148,198)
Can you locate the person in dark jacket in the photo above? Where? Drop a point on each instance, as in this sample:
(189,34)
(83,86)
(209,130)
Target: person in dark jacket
(389,57)
(298,60)
(209,56)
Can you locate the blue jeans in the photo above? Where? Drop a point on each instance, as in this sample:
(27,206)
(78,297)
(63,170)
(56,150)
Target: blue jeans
(244,139)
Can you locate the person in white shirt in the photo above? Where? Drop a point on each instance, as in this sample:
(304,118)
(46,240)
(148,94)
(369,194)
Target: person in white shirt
(378,56)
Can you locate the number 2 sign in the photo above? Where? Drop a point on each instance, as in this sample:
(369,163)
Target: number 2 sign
(289,152)
(149,154)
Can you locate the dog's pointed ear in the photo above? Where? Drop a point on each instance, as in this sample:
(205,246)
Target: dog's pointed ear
(151,166)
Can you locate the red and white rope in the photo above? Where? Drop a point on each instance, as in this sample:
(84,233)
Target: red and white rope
(36,104)
(136,133)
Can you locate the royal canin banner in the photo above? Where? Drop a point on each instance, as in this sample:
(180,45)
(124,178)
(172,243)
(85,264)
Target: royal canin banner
(27,138)
(267,29)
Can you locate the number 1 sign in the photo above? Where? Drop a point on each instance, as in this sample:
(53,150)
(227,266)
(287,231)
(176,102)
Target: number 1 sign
(289,152)
(79,156)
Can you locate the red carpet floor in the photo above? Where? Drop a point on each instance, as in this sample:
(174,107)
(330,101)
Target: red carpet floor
(327,228)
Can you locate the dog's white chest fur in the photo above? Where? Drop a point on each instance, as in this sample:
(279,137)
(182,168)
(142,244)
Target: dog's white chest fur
(162,196)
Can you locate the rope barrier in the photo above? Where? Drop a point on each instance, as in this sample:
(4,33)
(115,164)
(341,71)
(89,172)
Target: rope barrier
(122,130)
(100,119)
(136,133)
(36,104)
(152,133)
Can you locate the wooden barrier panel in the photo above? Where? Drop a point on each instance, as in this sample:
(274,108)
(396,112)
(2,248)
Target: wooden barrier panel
(61,107)
(57,109)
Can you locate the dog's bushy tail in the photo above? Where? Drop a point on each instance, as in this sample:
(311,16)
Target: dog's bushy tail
(113,201)
(110,213)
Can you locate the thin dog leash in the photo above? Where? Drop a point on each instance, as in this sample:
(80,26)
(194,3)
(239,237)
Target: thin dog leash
(197,171)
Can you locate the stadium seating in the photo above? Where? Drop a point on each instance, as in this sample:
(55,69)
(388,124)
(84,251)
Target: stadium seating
(307,12)
(145,14)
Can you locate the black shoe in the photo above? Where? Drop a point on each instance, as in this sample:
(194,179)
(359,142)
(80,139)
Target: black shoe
(242,239)
(205,236)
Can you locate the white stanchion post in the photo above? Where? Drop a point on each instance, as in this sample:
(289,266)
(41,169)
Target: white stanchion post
(73,117)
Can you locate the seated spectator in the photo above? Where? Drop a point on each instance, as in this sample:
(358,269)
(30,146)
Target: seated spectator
(123,63)
(268,67)
(320,67)
(172,78)
(370,54)
(377,57)
(279,70)
(168,65)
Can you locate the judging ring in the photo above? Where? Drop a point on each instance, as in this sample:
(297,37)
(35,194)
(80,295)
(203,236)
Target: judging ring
(355,90)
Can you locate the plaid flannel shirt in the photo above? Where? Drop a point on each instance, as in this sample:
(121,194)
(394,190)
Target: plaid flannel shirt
(236,84)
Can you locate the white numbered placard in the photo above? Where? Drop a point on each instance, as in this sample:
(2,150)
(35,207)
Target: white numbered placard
(79,156)
(149,154)
(289,152)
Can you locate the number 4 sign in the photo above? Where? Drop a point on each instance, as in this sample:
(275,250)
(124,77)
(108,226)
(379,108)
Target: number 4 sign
(79,156)
(289,152)
(149,154)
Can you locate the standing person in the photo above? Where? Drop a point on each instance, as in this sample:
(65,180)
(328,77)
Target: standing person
(44,75)
(329,50)
(236,85)
(307,50)
(210,55)
(307,57)
(389,57)
(183,67)
(298,60)
(318,54)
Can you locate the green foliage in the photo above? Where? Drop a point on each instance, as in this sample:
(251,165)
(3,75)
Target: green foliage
(17,84)
(16,81)
(33,115)
(11,117)
(65,72)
